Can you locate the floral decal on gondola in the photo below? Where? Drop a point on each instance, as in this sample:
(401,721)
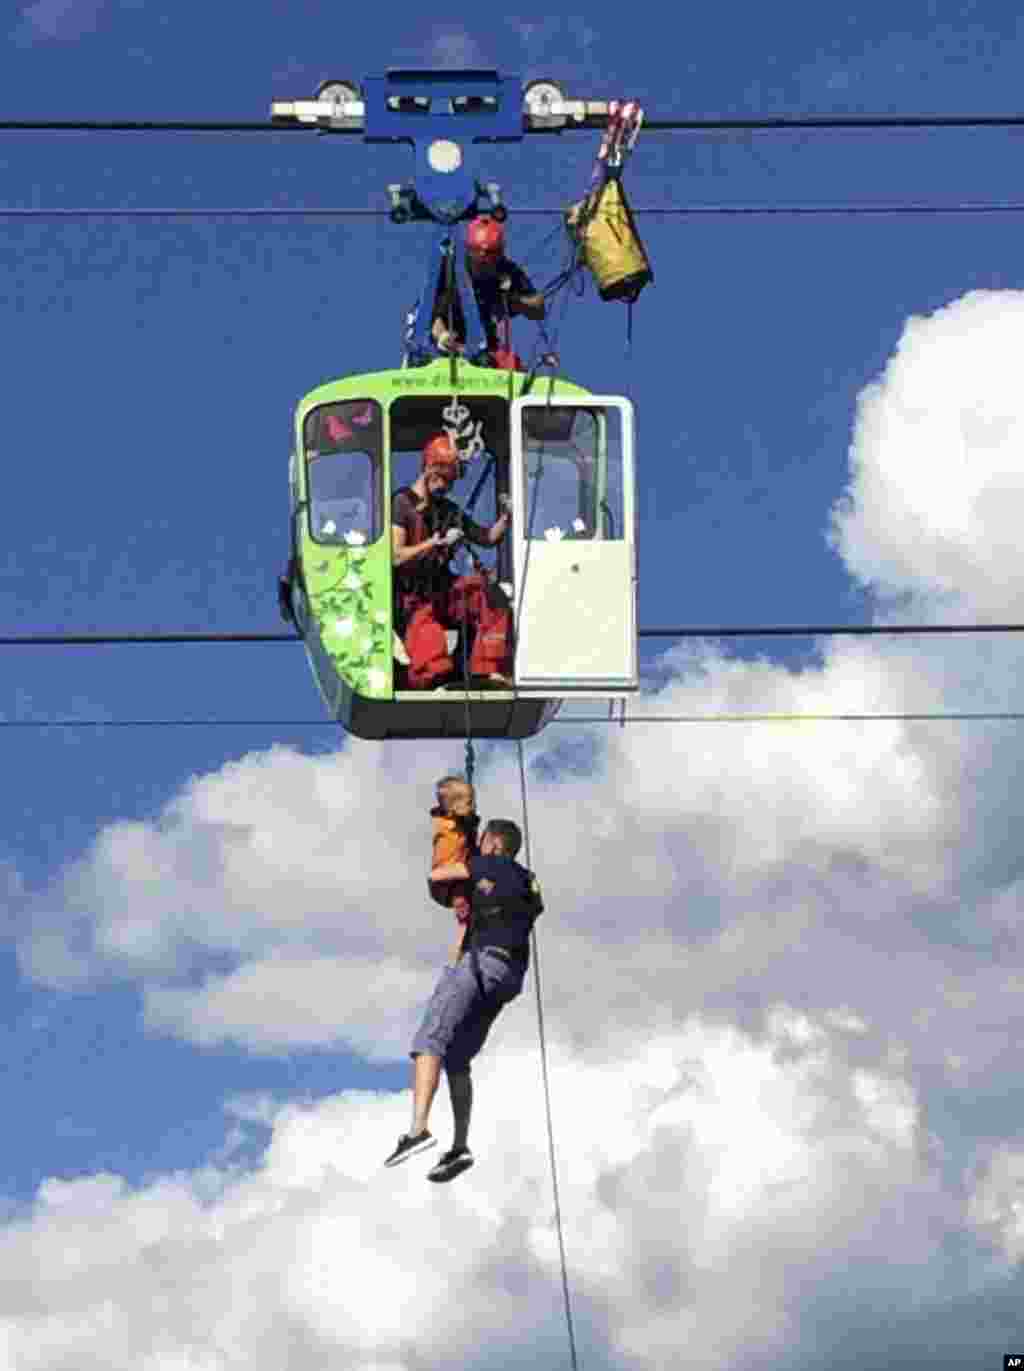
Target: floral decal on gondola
(347,561)
(348,596)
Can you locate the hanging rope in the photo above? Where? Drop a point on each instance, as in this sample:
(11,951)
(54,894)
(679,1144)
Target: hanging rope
(529,863)
(544,1073)
(451,285)
(521,589)
(470,752)
(452,288)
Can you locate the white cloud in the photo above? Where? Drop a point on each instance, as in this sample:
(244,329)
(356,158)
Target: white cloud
(996,1200)
(288,1001)
(770,952)
(275,850)
(937,488)
(726,1179)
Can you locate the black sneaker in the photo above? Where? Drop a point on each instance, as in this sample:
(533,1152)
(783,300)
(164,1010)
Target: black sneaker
(409,1146)
(452,1164)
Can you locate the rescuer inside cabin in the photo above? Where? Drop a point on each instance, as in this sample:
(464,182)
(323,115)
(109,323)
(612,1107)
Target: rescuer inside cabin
(429,599)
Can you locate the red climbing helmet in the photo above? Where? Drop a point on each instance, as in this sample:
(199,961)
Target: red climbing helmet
(440,454)
(485,237)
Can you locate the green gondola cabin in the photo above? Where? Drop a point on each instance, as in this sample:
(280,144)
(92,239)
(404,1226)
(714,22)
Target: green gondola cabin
(568,562)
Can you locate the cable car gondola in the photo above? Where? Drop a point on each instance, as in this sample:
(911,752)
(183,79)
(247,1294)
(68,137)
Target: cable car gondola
(563,455)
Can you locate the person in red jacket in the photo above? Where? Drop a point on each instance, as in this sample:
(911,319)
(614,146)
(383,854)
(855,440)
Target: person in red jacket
(429,599)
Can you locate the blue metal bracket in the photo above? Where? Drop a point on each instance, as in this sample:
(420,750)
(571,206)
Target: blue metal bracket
(445,115)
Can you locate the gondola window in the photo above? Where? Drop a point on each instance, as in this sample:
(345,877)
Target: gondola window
(343,472)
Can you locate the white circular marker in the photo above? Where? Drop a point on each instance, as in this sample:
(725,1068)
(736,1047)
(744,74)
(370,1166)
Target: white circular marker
(540,96)
(337,92)
(444,155)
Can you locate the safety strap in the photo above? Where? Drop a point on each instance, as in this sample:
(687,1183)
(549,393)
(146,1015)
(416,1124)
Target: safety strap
(475,492)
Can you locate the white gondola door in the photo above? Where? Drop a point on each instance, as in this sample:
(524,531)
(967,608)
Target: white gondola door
(574,545)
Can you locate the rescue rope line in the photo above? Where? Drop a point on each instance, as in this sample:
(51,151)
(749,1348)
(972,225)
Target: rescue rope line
(544,1072)
(552,354)
(451,284)
(526,561)
(449,269)
(529,863)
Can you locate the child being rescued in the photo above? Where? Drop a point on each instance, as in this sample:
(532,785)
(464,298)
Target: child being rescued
(454,839)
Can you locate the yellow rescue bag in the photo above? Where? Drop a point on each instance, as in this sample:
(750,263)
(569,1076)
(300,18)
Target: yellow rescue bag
(604,227)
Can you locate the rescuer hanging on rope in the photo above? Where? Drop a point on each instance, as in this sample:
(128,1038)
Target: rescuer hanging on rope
(470,995)
(502,289)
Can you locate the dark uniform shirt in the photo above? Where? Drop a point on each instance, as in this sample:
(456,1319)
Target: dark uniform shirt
(506,900)
(429,574)
(490,298)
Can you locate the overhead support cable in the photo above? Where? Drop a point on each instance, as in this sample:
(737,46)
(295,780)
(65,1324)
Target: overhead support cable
(147,126)
(364,212)
(686,631)
(743,124)
(778,718)
(834,123)
(618,720)
(822,630)
(189,212)
(129,639)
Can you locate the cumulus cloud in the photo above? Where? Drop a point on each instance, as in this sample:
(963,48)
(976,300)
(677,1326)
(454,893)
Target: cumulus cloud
(772,956)
(937,486)
(288,1001)
(276,850)
(728,1176)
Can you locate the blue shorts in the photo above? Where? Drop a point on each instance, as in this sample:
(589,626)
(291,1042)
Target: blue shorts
(458,1016)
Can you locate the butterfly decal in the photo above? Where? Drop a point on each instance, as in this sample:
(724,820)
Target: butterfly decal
(336,429)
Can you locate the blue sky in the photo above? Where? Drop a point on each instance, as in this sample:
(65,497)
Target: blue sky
(152,368)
